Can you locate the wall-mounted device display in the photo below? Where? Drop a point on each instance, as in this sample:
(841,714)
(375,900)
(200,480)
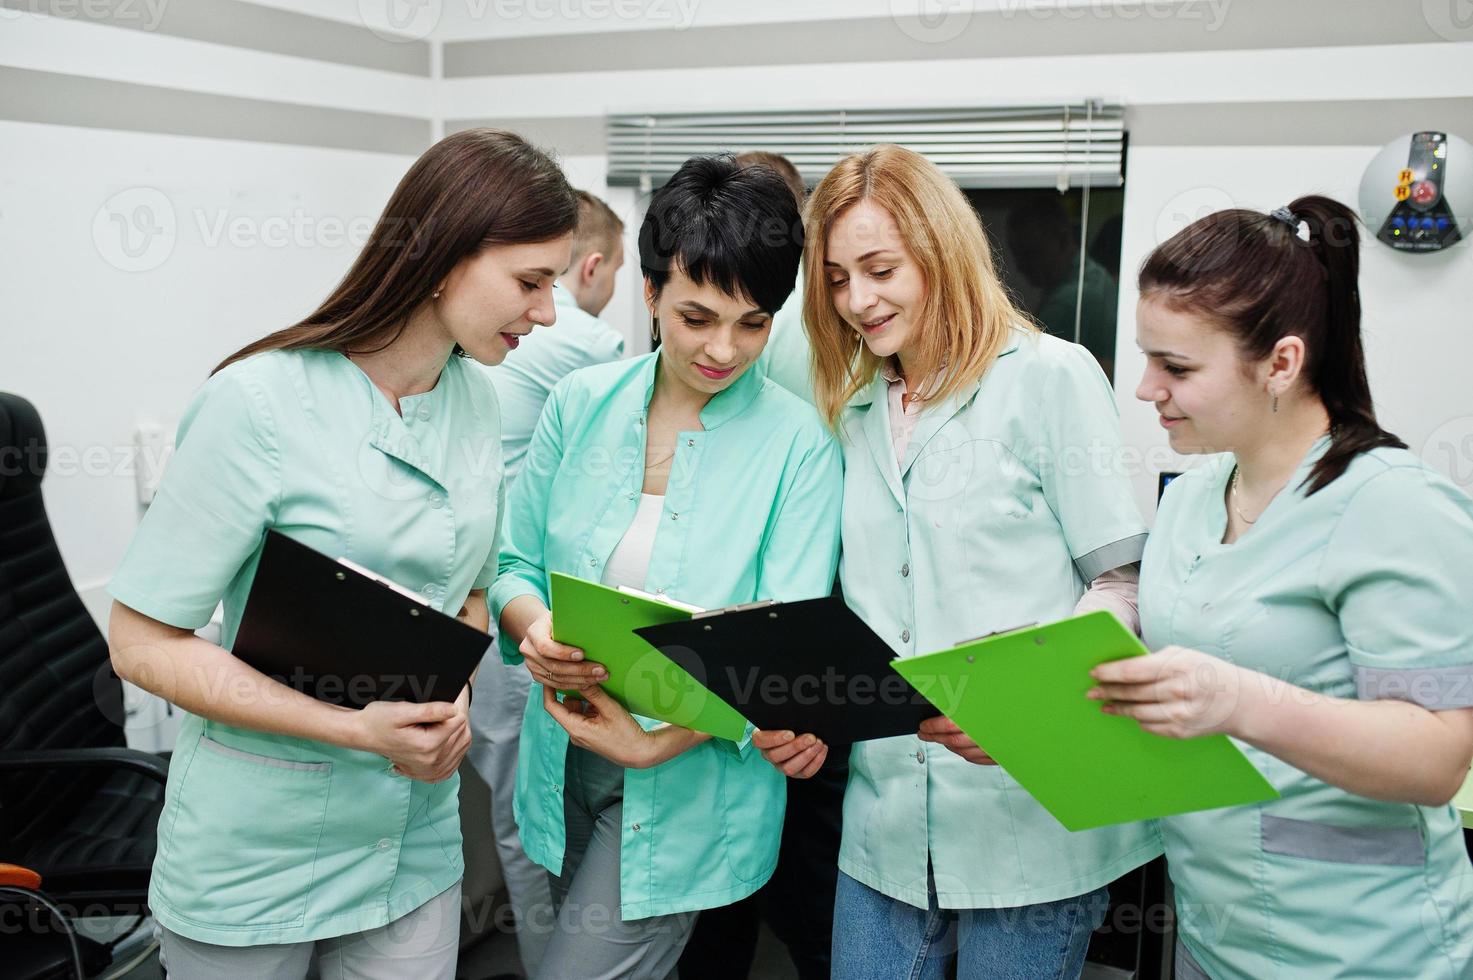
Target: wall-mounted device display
(1409,191)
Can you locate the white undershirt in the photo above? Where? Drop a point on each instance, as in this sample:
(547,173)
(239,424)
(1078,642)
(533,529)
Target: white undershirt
(629,565)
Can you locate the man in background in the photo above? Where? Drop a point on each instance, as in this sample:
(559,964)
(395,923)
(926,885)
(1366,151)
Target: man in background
(578,339)
(785,358)
(523,382)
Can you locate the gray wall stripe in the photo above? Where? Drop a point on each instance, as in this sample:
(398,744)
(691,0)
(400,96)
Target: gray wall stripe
(71,100)
(1022,29)
(567,135)
(1369,122)
(1350,123)
(246,25)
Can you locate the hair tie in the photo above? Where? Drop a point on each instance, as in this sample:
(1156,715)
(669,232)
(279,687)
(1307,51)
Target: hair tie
(1292,221)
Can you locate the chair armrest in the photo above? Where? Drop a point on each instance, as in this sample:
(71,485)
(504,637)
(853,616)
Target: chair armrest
(104,757)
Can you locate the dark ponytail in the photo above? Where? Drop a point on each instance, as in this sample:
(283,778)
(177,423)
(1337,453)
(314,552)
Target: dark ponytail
(1254,275)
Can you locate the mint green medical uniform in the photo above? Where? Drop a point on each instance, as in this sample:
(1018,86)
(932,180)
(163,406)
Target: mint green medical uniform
(544,357)
(267,838)
(1010,500)
(787,356)
(751,512)
(1363,590)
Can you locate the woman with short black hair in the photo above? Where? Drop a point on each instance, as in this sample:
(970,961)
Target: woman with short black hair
(687,474)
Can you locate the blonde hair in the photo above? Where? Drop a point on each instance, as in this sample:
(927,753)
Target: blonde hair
(967,316)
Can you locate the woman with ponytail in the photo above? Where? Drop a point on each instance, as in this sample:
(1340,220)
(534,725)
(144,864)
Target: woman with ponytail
(1307,593)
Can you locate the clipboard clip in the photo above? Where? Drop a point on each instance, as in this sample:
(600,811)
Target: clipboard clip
(743,607)
(1010,629)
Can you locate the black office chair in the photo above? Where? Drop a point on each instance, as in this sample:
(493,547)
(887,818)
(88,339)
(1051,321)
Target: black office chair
(77,807)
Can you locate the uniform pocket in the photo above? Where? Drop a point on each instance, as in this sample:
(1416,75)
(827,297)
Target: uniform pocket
(1395,846)
(244,844)
(1342,901)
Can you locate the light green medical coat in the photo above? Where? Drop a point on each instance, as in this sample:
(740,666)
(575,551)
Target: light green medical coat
(1363,590)
(267,838)
(788,356)
(525,379)
(1010,500)
(751,512)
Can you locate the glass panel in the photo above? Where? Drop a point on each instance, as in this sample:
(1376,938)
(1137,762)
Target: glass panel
(1036,240)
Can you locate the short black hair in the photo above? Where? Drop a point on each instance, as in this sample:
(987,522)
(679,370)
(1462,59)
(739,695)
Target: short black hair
(737,228)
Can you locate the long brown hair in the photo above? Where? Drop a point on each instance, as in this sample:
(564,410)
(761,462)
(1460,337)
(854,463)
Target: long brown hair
(1252,275)
(472,190)
(967,316)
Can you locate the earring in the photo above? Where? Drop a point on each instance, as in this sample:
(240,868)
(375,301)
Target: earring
(435,294)
(654,330)
(1275,405)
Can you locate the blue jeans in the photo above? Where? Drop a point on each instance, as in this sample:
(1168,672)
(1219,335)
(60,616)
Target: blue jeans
(879,938)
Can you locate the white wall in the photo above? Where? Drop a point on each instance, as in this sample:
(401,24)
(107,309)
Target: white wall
(230,241)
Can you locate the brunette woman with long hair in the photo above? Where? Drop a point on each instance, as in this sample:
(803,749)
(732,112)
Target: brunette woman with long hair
(290,825)
(1307,592)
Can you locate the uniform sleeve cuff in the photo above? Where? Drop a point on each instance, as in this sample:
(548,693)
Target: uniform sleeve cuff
(1126,551)
(1433,688)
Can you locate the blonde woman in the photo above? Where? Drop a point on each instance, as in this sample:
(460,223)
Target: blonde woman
(979,494)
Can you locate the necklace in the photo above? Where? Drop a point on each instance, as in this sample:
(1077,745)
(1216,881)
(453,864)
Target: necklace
(650,464)
(1233,498)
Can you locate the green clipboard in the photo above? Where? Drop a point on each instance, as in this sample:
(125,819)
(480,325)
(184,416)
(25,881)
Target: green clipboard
(1020,696)
(601,622)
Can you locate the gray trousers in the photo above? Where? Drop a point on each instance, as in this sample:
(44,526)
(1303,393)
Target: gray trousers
(591,942)
(423,944)
(496,726)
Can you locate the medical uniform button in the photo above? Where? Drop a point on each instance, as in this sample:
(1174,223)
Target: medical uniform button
(437,501)
(905,570)
(424,413)
(384,844)
(905,636)
(635,827)
(921,756)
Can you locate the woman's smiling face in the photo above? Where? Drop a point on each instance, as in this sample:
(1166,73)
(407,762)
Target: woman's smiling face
(876,285)
(1208,399)
(708,339)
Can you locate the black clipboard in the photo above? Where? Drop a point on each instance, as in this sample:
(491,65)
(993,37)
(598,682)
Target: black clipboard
(810,666)
(329,630)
